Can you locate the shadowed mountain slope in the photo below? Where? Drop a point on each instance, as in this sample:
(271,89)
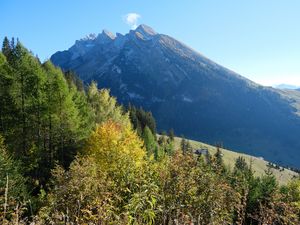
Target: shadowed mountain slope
(189,92)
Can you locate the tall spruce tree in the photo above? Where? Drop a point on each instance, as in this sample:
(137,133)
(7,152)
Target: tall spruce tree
(27,91)
(7,48)
(7,109)
(62,116)
(85,111)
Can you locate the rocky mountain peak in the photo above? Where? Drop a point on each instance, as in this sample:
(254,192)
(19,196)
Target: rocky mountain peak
(89,37)
(108,34)
(105,37)
(145,30)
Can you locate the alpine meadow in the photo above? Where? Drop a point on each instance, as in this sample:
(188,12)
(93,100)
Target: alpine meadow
(139,128)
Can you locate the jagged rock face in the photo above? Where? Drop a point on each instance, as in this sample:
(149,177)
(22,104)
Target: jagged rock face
(188,92)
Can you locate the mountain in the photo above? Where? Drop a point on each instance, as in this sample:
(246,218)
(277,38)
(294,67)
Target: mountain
(286,86)
(190,93)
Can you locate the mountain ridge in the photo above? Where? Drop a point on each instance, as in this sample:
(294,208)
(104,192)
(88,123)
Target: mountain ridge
(189,92)
(286,86)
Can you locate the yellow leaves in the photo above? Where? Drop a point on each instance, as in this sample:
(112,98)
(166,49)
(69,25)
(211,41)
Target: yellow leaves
(115,146)
(105,106)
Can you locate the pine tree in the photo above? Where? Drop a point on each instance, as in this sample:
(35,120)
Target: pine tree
(240,164)
(134,119)
(146,119)
(149,141)
(219,157)
(6,48)
(185,146)
(140,119)
(73,79)
(171,135)
(7,109)
(85,116)
(27,92)
(62,116)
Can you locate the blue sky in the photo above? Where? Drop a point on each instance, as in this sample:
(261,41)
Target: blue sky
(259,39)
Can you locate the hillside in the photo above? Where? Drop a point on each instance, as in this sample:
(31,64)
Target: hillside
(73,155)
(259,165)
(188,92)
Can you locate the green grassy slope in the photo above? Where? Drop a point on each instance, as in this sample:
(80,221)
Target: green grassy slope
(258,164)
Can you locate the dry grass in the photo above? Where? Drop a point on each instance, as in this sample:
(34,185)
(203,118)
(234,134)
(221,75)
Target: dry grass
(259,165)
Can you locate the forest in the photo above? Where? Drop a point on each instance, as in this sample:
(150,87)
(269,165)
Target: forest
(70,154)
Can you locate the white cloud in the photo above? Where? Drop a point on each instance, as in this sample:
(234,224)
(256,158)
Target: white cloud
(131,19)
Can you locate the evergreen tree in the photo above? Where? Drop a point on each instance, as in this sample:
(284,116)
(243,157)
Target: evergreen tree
(140,119)
(157,153)
(219,157)
(7,49)
(149,141)
(185,146)
(240,164)
(73,79)
(28,96)
(162,139)
(7,109)
(171,135)
(85,116)
(62,116)
(134,119)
